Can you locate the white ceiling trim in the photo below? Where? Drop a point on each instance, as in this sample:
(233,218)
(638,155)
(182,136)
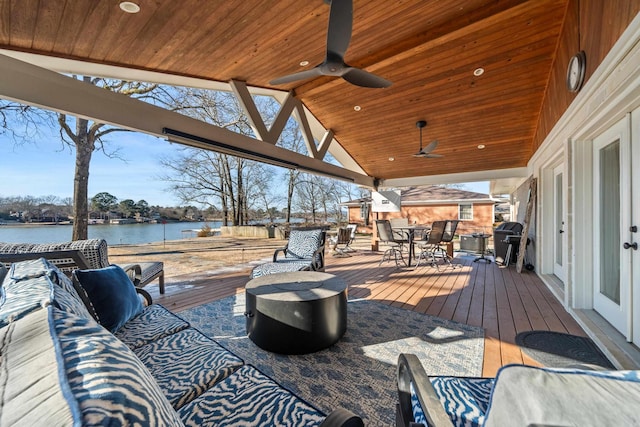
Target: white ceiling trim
(455,178)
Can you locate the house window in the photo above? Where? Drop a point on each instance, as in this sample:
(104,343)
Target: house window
(364,211)
(465,212)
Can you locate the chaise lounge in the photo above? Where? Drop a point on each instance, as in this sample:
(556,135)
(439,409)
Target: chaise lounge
(88,352)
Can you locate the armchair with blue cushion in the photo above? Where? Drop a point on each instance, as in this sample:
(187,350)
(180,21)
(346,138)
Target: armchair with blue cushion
(304,251)
(519,395)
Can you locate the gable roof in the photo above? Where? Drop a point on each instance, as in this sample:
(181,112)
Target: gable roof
(432,194)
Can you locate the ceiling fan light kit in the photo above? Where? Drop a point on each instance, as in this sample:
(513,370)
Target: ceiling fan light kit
(338,39)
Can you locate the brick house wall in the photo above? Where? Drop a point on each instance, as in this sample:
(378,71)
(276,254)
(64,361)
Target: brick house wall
(483,216)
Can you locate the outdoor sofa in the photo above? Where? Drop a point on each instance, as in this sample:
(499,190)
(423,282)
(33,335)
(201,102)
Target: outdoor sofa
(95,253)
(89,352)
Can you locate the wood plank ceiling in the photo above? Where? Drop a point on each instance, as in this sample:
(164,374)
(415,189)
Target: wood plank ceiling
(429,49)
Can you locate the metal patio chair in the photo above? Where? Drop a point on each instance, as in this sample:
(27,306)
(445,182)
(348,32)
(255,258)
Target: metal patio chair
(386,235)
(430,245)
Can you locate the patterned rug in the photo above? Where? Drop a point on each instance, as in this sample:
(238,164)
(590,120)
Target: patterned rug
(558,350)
(359,372)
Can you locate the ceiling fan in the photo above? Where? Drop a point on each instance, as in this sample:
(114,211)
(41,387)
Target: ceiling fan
(426,151)
(338,38)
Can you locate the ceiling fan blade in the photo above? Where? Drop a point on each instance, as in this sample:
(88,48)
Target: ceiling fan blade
(433,156)
(340,24)
(364,78)
(307,74)
(429,148)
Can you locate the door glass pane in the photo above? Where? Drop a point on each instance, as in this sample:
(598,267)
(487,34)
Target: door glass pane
(558,219)
(610,221)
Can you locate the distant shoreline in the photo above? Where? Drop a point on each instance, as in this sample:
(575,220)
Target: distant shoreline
(38,224)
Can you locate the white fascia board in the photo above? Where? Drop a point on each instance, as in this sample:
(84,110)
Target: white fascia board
(70,66)
(455,178)
(447,202)
(27,83)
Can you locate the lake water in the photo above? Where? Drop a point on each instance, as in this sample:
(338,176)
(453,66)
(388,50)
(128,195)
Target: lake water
(113,234)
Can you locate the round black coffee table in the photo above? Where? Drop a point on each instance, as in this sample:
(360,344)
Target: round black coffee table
(296,313)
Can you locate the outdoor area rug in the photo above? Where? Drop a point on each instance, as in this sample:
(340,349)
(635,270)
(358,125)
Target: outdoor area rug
(558,350)
(359,372)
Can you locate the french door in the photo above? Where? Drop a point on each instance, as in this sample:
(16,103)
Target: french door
(558,222)
(612,220)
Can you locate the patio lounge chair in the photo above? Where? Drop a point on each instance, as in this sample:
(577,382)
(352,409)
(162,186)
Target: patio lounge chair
(519,395)
(304,251)
(94,253)
(341,241)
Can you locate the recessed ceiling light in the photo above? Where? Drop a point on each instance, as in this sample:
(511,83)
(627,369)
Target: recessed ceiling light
(304,63)
(357,108)
(478,72)
(129,7)
(481,147)
(391,159)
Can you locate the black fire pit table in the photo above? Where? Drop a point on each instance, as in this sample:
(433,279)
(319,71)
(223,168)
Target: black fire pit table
(296,313)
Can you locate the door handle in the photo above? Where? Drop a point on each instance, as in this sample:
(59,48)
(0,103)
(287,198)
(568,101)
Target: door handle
(561,231)
(633,245)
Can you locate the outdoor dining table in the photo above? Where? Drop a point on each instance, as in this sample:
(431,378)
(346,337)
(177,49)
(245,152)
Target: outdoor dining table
(410,231)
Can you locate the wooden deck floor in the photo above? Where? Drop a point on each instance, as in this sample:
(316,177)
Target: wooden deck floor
(496,298)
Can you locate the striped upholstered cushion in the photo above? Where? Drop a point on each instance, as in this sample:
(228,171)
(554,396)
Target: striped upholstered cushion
(155,322)
(303,243)
(282,266)
(249,398)
(32,285)
(110,384)
(31,390)
(465,400)
(186,364)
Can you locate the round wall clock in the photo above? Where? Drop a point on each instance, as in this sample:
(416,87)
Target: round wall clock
(576,71)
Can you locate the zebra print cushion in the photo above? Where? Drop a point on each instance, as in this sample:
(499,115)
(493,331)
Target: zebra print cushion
(303,243)
(249,398)
(281,266)
(110,384)
(31,285)
(416,408)
(155,322)
(186,364)
(465,400)
(3,272)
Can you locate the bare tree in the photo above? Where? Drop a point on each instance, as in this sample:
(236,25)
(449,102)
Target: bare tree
(209,178)
(85,136)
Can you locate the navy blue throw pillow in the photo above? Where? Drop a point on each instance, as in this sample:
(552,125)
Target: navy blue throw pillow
(112,295)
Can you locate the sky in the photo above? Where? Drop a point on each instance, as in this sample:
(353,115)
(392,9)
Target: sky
(44,167)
